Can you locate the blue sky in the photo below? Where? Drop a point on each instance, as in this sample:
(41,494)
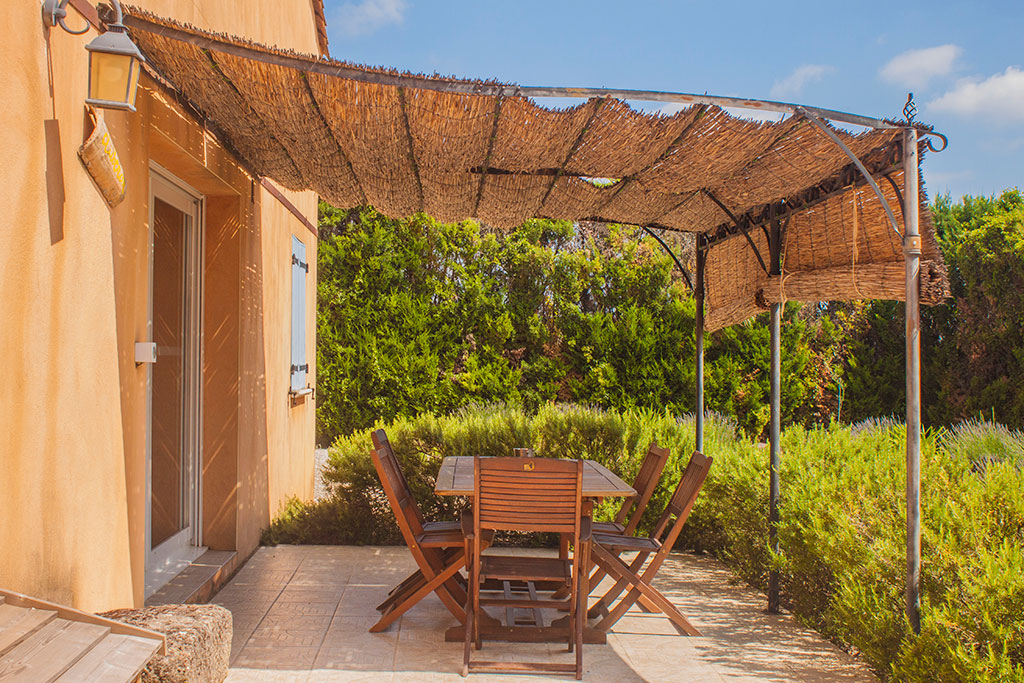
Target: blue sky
(964,61)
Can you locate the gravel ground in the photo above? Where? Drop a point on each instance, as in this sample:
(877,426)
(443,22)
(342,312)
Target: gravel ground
(319,463)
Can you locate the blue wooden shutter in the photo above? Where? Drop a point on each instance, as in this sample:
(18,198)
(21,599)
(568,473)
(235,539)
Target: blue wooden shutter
(300,269)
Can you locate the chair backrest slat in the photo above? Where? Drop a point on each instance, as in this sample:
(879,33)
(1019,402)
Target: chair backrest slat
(528,494)
(645,484)
(403,504)
(683,498)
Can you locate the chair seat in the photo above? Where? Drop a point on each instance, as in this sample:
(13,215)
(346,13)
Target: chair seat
(446,538)
(524,568)
(626,543)
(440,535)
(608,528)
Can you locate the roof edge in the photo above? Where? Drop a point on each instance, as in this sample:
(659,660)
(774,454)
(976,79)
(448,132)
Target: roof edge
(321,27)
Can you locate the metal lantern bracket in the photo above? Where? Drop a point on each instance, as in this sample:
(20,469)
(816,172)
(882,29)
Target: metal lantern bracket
(54,13)
(114,60)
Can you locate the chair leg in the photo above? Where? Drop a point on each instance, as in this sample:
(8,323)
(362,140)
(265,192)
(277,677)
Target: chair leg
(435,583)
(399,592)
(475,591)
(469,636)
(639,587)
(582,593)
(573,614)
(604,604)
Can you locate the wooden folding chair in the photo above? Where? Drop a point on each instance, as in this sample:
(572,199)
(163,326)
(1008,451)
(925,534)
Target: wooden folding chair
(645,483)
(443,533)
(606,549)
(527,495)
(437,547)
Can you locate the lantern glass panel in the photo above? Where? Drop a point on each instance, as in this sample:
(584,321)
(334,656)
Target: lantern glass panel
(110,77)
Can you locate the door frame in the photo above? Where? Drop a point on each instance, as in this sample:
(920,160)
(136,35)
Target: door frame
(175,553)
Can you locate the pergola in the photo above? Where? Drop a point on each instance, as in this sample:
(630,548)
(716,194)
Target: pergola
(790,210)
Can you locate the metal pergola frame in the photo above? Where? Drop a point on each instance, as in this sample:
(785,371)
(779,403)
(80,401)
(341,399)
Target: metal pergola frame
(911,237)
(771,217)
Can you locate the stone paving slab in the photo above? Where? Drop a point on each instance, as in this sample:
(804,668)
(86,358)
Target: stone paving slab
(302,615)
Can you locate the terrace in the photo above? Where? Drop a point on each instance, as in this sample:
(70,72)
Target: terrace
(301,613)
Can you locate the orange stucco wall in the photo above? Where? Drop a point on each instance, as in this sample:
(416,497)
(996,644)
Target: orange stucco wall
(74,299)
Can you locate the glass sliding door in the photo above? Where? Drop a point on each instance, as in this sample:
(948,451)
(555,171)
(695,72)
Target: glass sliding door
(173,471)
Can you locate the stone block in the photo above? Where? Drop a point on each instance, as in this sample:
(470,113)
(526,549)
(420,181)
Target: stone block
(198,641)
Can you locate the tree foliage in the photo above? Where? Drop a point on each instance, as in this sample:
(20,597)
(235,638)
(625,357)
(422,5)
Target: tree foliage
(972,345)
(419,316)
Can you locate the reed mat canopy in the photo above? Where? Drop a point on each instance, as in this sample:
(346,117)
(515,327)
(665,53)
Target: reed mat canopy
(458,149)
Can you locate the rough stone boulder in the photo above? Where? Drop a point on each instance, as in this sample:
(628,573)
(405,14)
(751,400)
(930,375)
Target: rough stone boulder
(198,641)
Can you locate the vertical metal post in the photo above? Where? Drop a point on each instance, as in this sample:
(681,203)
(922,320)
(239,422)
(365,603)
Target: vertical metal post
(912,255)
(775,245)
(699,330)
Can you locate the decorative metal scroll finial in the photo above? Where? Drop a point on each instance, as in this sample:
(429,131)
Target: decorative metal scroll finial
(927,140)
(910,109)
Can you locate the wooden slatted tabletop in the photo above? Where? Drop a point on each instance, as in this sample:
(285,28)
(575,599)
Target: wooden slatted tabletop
(455,478)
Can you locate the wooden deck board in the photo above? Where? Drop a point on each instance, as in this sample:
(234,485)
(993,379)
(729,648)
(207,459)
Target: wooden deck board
(51,651)
(115,659)
(18,623)
(43,642)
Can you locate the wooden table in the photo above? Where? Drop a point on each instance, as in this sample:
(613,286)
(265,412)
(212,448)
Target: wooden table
(455,478)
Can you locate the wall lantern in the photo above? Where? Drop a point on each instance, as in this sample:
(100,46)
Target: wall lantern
(114,60)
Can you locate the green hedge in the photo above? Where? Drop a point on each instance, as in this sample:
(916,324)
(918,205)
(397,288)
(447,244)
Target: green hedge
(417,316)
(842,529)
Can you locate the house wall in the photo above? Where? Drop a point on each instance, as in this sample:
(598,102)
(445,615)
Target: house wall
(74,299)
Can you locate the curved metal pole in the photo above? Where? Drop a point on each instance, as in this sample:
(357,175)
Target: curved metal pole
(860,165)
(679,264)
(118,14)
(54,14)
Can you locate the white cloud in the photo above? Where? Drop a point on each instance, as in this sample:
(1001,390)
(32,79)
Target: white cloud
(756,114)
(802,76)
(356,19)
(914,68)
(999,97)
(672,108)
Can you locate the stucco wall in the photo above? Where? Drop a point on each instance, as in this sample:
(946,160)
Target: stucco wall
(74,276)
(63,522)
(292,473)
